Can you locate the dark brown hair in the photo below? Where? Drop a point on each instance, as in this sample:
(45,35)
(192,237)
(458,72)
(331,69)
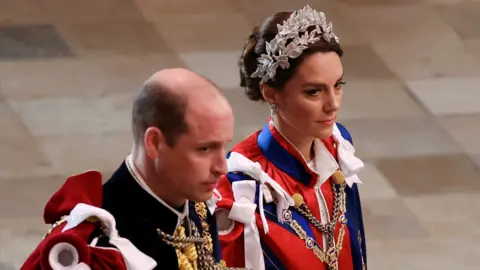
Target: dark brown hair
(156,106)
(256,46)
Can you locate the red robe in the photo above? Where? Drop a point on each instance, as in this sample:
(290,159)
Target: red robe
(281,247)
(86,190)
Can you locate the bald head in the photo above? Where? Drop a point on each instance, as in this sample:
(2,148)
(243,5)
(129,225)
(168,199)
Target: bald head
(167,97)
(182,82)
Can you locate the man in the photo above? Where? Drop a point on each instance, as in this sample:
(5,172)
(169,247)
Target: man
(181,124)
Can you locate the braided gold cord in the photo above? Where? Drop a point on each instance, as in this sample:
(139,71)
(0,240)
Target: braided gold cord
(194,252)
(187,255)
(183,261)
(191,252)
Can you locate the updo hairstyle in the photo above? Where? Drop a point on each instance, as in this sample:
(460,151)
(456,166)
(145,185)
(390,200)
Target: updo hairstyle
(256,46)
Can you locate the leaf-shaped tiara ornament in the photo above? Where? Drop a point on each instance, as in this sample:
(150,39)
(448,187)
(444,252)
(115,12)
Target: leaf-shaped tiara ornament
(278,52)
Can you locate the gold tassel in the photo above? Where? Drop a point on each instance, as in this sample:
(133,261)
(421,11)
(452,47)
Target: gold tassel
(191,252)
(183,263)
(187,260)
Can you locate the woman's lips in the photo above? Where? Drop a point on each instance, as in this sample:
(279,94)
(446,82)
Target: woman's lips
(327,122)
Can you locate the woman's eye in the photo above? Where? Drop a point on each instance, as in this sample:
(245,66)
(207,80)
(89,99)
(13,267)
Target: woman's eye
(312,92)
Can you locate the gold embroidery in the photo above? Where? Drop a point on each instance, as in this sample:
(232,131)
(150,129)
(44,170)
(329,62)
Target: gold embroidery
(359,236)
(201,210)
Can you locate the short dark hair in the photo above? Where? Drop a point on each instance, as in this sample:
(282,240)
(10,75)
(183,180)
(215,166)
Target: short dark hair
(156,106)
(256,46)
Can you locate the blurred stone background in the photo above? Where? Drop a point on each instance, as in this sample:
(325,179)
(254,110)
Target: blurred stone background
(68,70)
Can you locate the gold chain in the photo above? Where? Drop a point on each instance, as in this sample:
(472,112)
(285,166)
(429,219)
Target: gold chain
(339,215)
(330,257)
(63,219)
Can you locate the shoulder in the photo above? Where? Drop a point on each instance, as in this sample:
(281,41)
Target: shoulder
(118,187)
(345,133)
(118,181)
(247,147)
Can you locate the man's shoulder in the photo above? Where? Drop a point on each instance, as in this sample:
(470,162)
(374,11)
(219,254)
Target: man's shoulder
(118,191)
(118,185)
(117,178)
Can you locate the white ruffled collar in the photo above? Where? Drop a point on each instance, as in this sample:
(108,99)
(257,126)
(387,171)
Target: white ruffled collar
(325,164)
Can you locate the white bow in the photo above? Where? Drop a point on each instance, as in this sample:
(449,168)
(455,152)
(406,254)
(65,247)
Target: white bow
(239,163)
(349,163)
(212,202)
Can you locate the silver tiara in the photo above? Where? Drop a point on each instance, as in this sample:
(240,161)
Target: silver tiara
(278,52)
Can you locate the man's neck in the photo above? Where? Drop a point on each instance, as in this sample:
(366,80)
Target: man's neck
(145,168)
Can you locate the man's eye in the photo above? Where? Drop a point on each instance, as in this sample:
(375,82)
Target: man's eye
(204,149)
(339,85)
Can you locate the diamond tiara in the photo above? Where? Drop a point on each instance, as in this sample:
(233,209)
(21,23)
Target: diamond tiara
(278,52)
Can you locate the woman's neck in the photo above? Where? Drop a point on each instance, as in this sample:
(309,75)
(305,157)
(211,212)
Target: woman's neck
(302,143)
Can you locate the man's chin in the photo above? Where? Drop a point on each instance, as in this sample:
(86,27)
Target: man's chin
(203,197)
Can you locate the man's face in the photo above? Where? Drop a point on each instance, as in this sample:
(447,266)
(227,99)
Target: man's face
(193,166)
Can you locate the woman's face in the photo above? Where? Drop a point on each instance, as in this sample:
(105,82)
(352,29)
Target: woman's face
(310,100)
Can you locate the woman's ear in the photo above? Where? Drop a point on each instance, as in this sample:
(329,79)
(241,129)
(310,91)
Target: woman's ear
(269,94)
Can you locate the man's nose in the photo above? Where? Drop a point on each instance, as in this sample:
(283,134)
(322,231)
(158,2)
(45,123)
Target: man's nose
(220,165)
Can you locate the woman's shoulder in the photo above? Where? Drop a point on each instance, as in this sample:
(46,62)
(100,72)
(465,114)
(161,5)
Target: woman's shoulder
(248,147)
(344,132)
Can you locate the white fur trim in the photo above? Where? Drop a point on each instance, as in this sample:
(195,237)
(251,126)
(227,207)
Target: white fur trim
(134,259)
(94,242)
(81,266)
(63,248)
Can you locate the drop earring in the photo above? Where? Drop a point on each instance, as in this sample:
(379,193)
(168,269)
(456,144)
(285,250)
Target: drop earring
(273,108)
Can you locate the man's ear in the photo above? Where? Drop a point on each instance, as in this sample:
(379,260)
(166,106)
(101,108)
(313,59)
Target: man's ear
(154,142)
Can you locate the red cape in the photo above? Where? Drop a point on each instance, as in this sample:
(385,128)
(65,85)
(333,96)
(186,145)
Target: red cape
(83,188)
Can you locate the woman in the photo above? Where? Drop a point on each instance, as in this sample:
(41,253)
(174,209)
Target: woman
(290,199)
